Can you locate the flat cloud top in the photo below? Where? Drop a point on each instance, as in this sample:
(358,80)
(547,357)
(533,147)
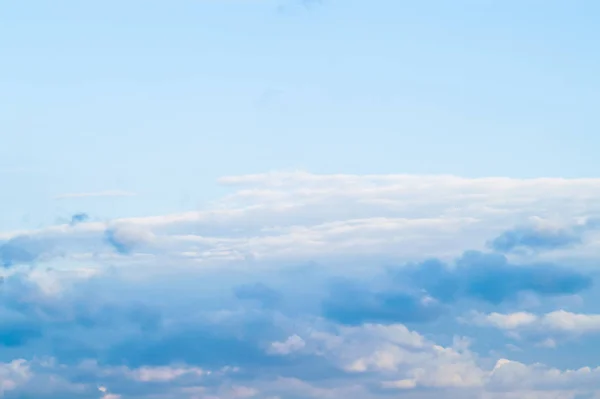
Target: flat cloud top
(293,216)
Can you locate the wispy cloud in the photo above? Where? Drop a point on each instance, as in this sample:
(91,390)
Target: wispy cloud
(299,217)
(108,193)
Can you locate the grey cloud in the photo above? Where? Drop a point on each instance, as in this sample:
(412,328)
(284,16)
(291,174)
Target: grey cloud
(260,292)
(491,278)
(539,238)
(79,218)
(22,250)
(353,304)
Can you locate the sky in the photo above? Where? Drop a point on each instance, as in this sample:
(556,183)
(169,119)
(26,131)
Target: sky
(289,199)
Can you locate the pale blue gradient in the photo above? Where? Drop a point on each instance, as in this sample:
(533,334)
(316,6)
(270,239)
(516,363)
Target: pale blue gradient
(161,98)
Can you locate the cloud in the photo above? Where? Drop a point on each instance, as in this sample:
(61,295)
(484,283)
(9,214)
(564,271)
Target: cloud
(196,351)
(13,375)
(491,278)
(109,193)
(290,345)
(355,305)
(29,313)
(509,321)
(527,237)
(557,321)
(44,245)
(297,217)
(541,235)
(22,249)
(126,238)
(258,292)
(418,293)
(517,375)
(79,218)
(299,285)
(374,359)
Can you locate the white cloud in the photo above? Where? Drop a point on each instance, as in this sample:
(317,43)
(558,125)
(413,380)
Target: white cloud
(571,322)
(301,216)
(402,359)
(556,321)
(390,357)
(297,216)
(292,344)
(413,360)
(164,374)
(507,321)
(13,375)
(515,375)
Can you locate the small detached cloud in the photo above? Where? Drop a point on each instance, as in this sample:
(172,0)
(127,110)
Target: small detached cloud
(290,345)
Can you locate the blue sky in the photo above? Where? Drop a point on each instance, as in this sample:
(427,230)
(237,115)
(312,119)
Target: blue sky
(132,92)
(292,199)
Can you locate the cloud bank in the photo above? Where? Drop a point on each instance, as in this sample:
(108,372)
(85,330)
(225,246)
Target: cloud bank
(311,286)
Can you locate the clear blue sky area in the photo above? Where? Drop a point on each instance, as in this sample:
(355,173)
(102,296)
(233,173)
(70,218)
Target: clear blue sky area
(161,98)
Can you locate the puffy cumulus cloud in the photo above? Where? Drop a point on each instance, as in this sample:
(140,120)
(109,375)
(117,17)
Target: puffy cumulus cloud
(292,344)
(13,375)
(306,286)
(508,374)
(405,361)
(265,354)
(40,378)
(368,361)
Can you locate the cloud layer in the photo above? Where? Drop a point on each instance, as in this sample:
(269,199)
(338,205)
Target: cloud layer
(311,286)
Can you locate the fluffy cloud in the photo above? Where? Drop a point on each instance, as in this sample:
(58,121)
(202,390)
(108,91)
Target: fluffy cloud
(307,286)
(13,375)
